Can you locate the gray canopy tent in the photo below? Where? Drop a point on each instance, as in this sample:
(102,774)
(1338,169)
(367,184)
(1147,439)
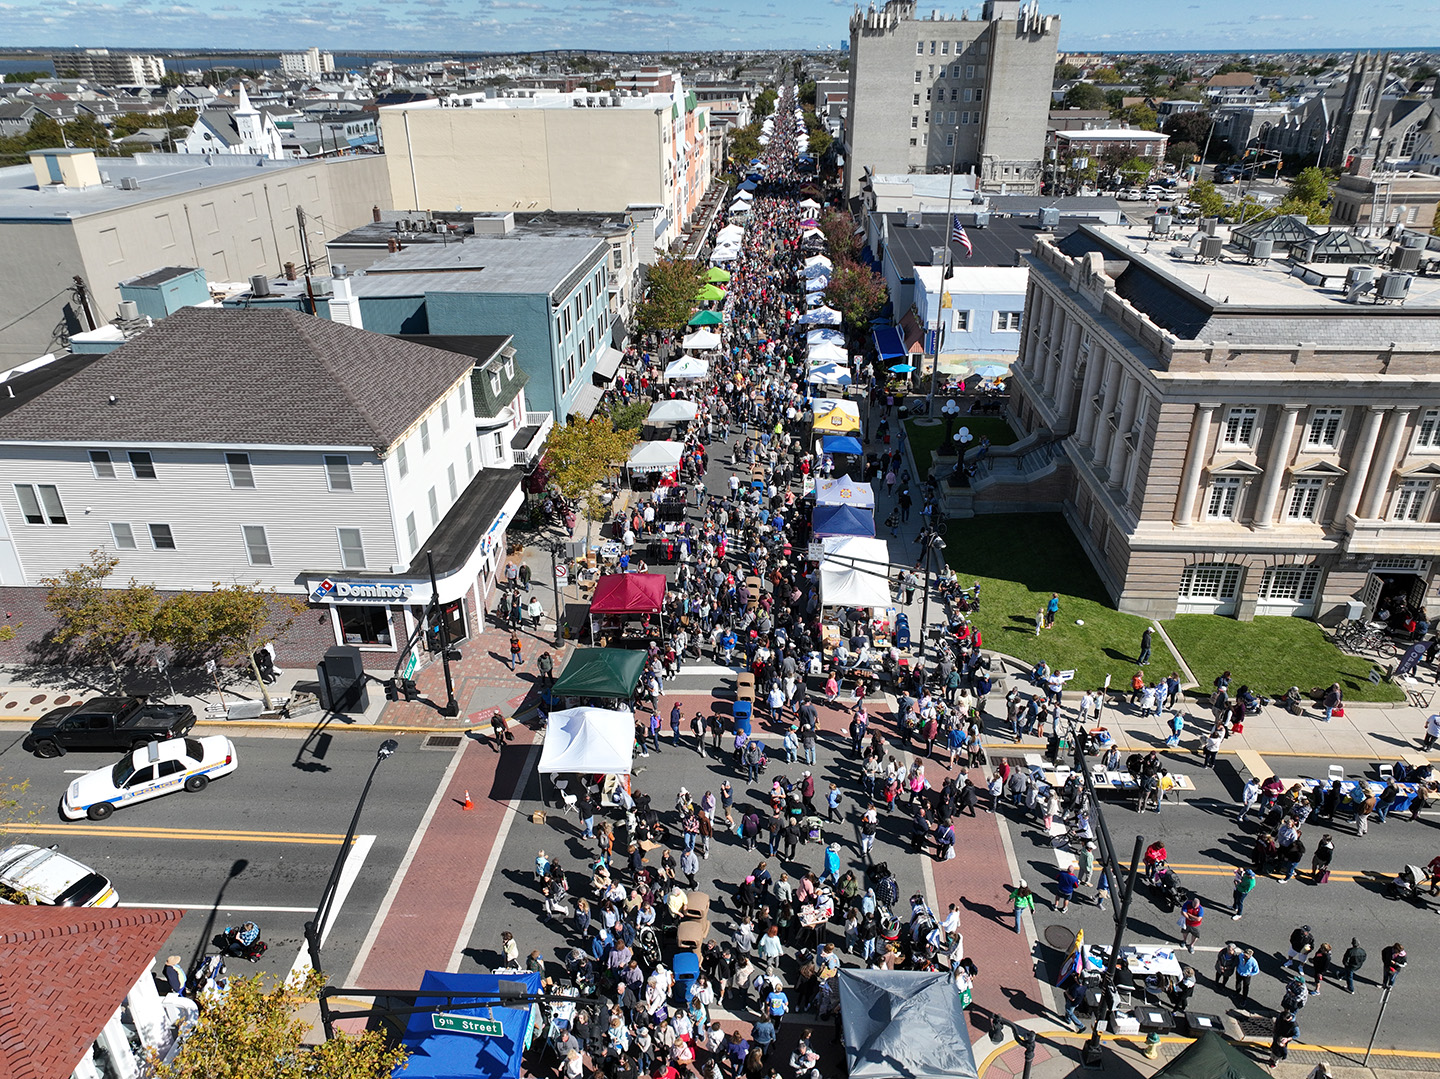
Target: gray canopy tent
(904,1024)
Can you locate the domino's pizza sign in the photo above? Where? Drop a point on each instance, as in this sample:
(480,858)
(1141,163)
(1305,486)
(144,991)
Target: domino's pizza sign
(340,590)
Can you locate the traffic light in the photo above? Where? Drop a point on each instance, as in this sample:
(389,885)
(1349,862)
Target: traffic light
(392,689)
(407,687)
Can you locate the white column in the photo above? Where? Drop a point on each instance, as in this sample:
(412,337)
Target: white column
(1360,464)
(1085,410)
(1194,462)
(1070,353)
(1385,465)
(1115,464)
(1275,468)
(1114,380)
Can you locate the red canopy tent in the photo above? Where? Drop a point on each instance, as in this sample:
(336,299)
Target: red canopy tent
(629,593)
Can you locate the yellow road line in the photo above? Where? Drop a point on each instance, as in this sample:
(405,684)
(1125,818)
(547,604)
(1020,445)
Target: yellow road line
(1210,870)
(122,831)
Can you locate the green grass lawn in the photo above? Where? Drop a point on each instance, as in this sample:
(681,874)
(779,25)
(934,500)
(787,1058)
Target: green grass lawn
(1019,559)
(925,438)
(1271,655)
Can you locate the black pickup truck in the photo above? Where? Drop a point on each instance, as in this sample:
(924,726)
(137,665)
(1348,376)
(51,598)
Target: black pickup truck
(107,723)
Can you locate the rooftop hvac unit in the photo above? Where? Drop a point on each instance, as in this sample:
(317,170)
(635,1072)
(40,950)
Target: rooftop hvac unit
(1306,250)
(1208,225)
(1210,247)
(1358,277)
(1405,259)
(128,183)
(1394,286)
(937,256)
(982,219)
(1262,250)
(1049,217)
(259,285)
(1161,224)
(913,219)
(128,311)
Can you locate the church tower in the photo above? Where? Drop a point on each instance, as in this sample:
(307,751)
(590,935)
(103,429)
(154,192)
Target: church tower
(1353,133)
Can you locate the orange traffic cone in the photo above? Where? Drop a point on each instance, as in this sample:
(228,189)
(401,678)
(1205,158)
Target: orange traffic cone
(468,803)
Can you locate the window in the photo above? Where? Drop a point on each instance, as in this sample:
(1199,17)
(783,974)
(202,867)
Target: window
(1215,580)
(40,503)
(469,460)
(424,436)
(499,446)
(337,472)
(464,398)
(969,94)
(1427,431)
(919,51)
(1297,583)
(944,48)
(509,366)
(241,474)
(257,545)
(1007,321)
(932,48)
(161,538)
(411,532)
(1304,499)
(918,76)
(450,475)
(1224,495)
(914,123)
(444,415)
(123,534)
(929,94)
(495,383)
(956,73)
(365,625)
(402,460)
(964,117)
(142,465)
(962,321)
(969,71)
(979,94)
(1324,428)
(434,502)
(352,548)
(1410,502)
(931,71)
(925,139)
(103,467)
(950,138)
(927,116)
(916,102)
(1239,429)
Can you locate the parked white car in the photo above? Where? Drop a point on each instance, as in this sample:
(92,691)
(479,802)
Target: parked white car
(42,876)
(153,770)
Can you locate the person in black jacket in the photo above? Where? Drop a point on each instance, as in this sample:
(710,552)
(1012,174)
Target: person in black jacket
(1302,943)
(1353,959)
(1393,959)
(1286,1030)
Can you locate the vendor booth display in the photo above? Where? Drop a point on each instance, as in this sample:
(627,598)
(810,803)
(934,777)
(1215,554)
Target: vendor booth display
(625,609)
(649,457)
(904,1024)
(701,340)
(842,520)
(833,492)
(820,316)
(845,586)
(874,554)
(688,367)
(602,673)
(824,353)
(836,417)
(594,741)
(672,411)
(841,444)
(828,373)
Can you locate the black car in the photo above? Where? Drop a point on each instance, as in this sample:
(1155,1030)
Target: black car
(107,723)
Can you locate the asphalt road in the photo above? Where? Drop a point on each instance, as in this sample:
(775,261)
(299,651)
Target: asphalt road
(1205,844)
(258,844)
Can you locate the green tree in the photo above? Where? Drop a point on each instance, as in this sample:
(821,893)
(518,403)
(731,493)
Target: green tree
(1135,170)
(171,79)
(839,229)
(1107,76)
(1084,95)
(1209,201)
(1188,127)
(1114,100)
(765,102)
(1310,185)
(27,76)
(1181,153)
(231,622)
(856,291)
(670,289)
(630,417)
(255,1032)
(744,146)
(99,622)
(582,454)
(1065,72)
(1141,116)
(806,94)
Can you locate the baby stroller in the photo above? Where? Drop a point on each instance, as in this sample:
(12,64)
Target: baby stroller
(1168,892)
(647,948)
(1406,884)
(922,919)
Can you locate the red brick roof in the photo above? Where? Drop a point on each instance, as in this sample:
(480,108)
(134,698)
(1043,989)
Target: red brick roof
(63,972)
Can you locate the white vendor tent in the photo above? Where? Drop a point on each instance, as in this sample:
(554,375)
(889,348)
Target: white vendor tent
(824,337)
(834,491)
(701,339)
(728,233)
(593,741)
(672,411)
(809,204)
(842,586)
(688,367)
(820,316)
(829,374)
(655,456)
(859,549)
(818,260)
(827,354)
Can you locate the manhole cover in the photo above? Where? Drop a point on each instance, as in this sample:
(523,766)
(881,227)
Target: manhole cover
(1059,938)
(37,699)
(441,741)
(1254,1026)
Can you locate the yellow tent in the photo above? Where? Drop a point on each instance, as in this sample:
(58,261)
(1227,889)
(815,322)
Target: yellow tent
(833,417)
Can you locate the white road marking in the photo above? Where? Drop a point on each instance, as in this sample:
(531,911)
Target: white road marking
(354,859)
(511,811)
(398,879)
(76,772)
(224,907)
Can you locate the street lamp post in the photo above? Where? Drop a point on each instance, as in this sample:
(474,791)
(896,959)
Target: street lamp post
(1023,1038)
(933,543)
(315,929)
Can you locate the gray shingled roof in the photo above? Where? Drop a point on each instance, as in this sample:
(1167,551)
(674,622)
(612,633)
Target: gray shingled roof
(251,377)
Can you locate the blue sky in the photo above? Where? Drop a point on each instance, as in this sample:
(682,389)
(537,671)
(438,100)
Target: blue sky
(338,25)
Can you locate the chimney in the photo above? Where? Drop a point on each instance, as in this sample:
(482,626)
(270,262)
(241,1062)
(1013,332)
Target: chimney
(375,214)
(290,272)
(394,245)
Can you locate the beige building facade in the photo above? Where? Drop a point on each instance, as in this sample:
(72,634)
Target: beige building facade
(1229,437)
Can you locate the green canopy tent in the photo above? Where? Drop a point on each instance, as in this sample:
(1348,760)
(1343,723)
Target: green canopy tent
(1211,1057)
(707,318)
(709,294)
(717,274)
(608,673)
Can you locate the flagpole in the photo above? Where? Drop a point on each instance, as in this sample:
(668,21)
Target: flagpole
(944,270)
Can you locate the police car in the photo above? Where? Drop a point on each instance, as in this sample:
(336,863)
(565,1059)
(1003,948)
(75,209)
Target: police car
(152,770)
(31,875)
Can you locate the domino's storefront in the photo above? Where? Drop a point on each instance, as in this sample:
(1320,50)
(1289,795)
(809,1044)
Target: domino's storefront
(383,614)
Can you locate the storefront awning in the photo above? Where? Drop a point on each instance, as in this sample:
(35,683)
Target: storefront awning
(888,343)
(608,363)
(914,333)
(586,399)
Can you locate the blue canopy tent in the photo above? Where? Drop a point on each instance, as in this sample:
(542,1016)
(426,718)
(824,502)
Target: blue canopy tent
(842,520)
(889,343)
(450,1054)
(841,444)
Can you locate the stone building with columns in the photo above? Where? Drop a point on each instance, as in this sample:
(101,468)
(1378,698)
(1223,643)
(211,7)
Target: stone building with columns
(1231,436)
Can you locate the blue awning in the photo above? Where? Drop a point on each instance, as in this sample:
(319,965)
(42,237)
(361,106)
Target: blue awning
(889,343)
(841,444)
(444,1054)
(842,520)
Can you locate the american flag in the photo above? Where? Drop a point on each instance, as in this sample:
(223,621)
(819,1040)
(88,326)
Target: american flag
(957,233)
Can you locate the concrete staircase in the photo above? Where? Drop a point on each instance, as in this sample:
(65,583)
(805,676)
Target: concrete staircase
(1030,476)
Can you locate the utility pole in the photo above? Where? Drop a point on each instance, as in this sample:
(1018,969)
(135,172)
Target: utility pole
(1384,1000)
